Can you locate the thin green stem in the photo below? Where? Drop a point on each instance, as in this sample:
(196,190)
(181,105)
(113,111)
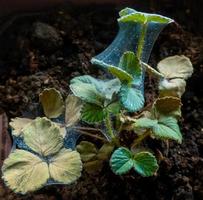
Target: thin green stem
(109,126)
(140,139)
(141,40)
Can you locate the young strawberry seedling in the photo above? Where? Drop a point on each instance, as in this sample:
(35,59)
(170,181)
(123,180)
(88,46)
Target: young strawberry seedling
(45,150)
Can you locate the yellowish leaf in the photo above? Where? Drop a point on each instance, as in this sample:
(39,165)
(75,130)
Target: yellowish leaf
(52,102)
(43,136)
(17,124)
(24,172)
(73,108)
(66,166)
(176,67)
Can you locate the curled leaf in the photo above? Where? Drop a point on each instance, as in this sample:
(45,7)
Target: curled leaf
(24,172)
(173,87)
(43,136)
(17,124)
(176,67)
(73,109)
(52,102)
(130,15)
(168,105)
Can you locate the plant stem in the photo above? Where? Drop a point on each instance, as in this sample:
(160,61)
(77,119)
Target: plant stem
(89,129)
(109,126)
(141,40)
(140,139)
(91,135)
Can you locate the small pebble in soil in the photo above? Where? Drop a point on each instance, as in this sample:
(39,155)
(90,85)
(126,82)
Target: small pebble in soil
(46,37)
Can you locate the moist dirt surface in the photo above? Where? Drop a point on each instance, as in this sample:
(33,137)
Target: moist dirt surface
(47,49)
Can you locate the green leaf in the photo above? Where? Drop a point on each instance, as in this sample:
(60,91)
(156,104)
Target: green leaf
(87,93)
(87,150)
(176,67)
(130,63)
(52,102)
(164,128)
(144,18)
(109,88)
(131,98)
(145,163)
(122,75)
(146,123)
(167,127)
(73,109)
(92,113)
(85,79)
(123,160)
(43,136)
(114,108)
(24,172)
(66,166)
(126,11)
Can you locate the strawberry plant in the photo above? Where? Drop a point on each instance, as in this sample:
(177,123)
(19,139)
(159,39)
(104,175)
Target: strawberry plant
(45,150)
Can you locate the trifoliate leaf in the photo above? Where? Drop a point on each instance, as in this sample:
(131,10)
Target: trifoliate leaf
(173,87)
(17,124)
(92,113)
(66,166)
(176,67)
(24,172)
(143,18)
(123,160)
(52,102)
(43,136)
(73,109)
(130,63)
(164,128)
(168,105)
(132,99)
(122,75)
(87,150)
(87,93)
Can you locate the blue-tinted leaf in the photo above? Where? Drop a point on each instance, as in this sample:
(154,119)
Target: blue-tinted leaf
(131,98)
(123,160)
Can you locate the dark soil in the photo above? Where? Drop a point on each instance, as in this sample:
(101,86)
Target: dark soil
(29,63)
